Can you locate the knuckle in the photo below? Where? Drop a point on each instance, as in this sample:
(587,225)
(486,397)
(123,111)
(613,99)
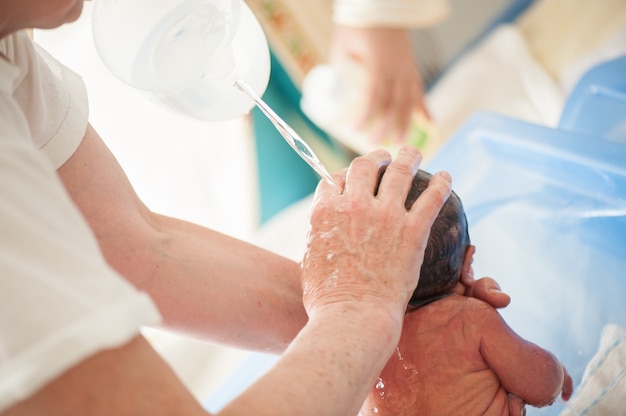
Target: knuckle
(355,204)
(403,167)
(320,211)
(410,150)
(372,160)
(362,162)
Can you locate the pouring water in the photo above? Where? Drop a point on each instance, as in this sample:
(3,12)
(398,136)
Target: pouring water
(295,141)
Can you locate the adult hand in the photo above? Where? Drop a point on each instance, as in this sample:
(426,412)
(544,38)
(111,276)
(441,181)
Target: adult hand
(395,91)
(364,248)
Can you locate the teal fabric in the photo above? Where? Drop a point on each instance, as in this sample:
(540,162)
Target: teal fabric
(283,176)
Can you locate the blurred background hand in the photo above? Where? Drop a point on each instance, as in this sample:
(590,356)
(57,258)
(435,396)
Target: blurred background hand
(395,89)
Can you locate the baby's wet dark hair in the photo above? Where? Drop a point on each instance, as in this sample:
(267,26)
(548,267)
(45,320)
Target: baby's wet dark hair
(447,243)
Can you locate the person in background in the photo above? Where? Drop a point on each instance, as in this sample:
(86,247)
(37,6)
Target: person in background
(377,35)
(85,264)
(456,354)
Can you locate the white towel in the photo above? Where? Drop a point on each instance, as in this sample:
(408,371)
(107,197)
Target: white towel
(602,390)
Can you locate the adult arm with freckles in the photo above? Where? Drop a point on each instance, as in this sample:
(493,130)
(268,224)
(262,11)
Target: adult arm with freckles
(524,369)
(205,284)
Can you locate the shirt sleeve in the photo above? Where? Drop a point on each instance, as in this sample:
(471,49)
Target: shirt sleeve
(59,300)
(52,98)
(390,13)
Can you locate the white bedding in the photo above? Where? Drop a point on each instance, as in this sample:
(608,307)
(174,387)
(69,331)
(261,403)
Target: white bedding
(602,390)
(499,75)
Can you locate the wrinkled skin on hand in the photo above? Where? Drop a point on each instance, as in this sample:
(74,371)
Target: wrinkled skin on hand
(362,242)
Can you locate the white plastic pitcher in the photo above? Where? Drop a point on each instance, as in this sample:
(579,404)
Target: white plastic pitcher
(185,54)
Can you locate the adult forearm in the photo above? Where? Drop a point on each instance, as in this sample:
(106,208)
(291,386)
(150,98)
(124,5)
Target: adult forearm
(130,379)
(327,370)
(226,290)
(343,351)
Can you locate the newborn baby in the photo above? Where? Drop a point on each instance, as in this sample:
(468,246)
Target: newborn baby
(456,355)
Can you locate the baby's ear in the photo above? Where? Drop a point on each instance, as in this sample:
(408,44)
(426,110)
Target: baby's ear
(467,273)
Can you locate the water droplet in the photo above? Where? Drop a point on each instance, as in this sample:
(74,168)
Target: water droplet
(380,384)
(332,279)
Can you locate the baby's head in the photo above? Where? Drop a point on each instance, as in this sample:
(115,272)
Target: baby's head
(447,244)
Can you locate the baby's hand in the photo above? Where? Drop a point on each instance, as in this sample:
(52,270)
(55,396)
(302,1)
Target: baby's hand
(516,405)
(487,290)
(568,386)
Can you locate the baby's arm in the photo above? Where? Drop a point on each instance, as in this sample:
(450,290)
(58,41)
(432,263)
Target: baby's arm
(524,369)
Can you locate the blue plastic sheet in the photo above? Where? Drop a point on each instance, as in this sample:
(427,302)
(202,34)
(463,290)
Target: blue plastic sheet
(547,213)
(597,105)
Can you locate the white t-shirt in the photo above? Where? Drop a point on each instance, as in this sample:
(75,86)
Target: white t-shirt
(59,300)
